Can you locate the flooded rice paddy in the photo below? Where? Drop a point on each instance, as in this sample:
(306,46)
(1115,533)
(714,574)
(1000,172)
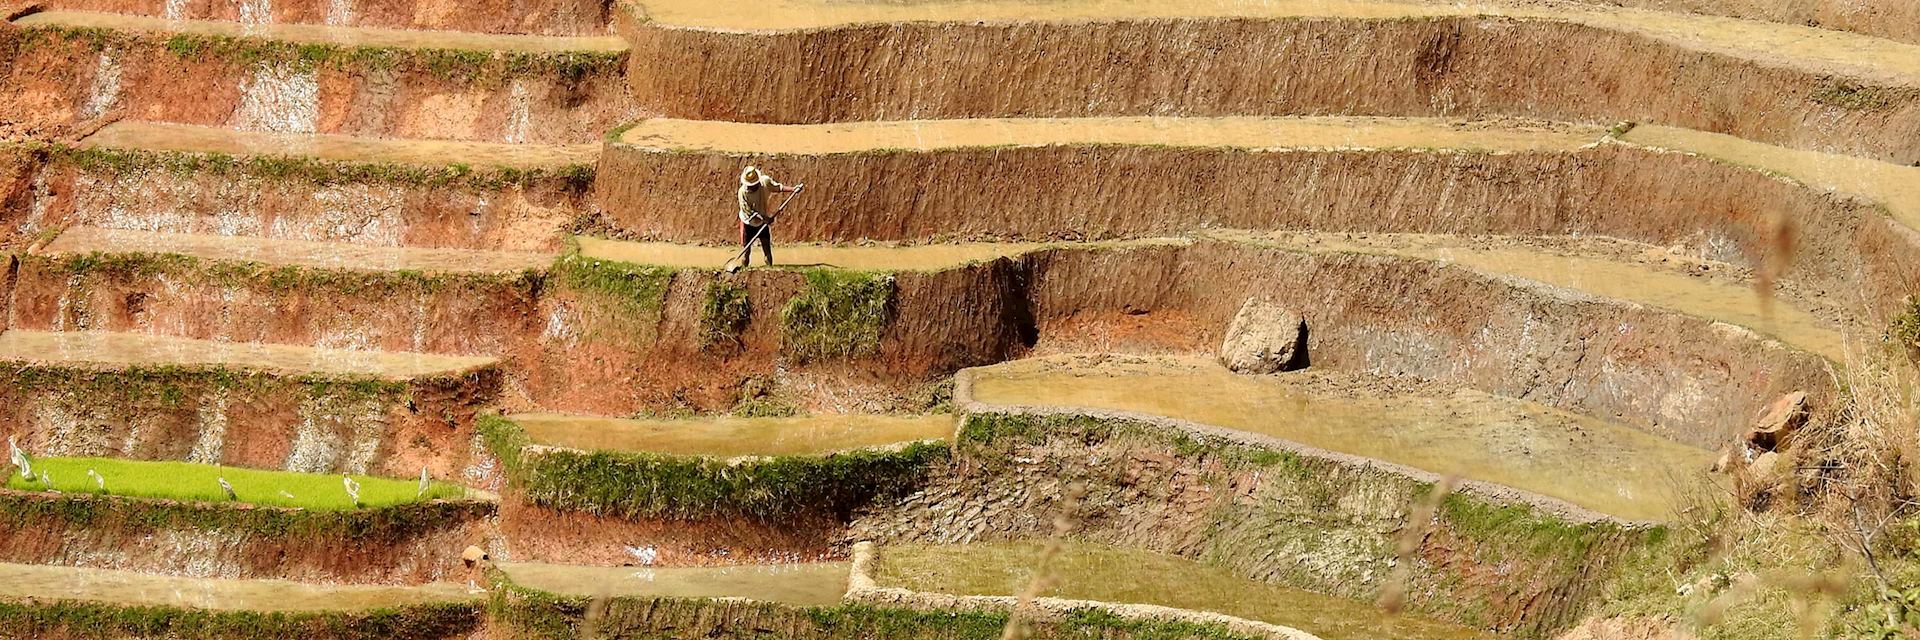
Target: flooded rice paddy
(126,588)
(155,136)
(1606,467)
(729,437)
(1603,276)
(326,34)
(298,253)
(818,583)
(1896,186)
(732,437)
(1324,132)
(1086,571)
(100,349)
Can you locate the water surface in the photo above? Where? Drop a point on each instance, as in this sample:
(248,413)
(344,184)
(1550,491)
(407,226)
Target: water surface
(731,437)
(817,583)
(1599,465)
(1085,571)
(20,581)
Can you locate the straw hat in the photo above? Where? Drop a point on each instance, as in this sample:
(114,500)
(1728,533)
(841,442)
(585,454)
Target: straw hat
(750,176)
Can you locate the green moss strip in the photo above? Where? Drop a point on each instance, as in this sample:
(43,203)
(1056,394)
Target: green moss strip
(276,278)
(313,170)
(169,385)
(444,63)
(724,313)
(134,519)
(527,614)
(647,485)
(74,619)
(839,315)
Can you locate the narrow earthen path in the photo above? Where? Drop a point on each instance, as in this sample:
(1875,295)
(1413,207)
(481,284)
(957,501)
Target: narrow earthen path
(115,350)
(81,241)
(1236,132)
(156,136)
(325,34)
(808,584)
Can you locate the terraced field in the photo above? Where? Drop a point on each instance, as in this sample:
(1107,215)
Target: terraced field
(1095,318)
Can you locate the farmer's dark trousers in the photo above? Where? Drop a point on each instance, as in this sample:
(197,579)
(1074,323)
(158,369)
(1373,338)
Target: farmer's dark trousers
(747,233)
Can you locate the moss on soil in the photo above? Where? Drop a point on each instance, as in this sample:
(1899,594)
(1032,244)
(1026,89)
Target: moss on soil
(444,63)
(839,315)
(138,518)
(276,278)
(93,620)
(318,171)
(724,313)
(647,485)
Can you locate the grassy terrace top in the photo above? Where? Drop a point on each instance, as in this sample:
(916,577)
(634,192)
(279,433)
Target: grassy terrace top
(154,136)
(324,34)
(295,253)
(811,584)
(1595,464)
(112,350)
(191,482)
(733,437)
(1231,132)
(1802,47)
(1086,571)
(126,588)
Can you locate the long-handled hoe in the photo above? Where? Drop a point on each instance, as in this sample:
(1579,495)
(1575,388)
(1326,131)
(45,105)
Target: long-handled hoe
(740,260)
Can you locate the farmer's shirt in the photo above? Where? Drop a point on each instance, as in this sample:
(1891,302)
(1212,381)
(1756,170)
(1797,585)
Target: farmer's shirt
(753,200)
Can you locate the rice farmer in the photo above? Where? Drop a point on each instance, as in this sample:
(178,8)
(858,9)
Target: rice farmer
(756,221)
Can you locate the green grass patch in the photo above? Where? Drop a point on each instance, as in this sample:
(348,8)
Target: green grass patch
(647,485)
(838,315)
(276,278)
(103,621)
(1852,96)
(310,169)
(201,483)
(633,294)
(724,313)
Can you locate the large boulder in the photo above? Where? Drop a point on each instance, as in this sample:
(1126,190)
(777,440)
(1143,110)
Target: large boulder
(1264,338)
(1779,420)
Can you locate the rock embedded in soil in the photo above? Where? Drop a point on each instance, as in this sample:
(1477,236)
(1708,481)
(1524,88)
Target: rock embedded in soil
(1787,414)
(1264,338)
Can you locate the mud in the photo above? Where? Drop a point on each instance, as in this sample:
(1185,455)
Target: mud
(1893,19)
(733,437)
(1083,571)
(535,534)
(858,257)
(127,588)
(1895,186)
(1217,132)
(820,583)
(1765,82)
(1716,212)
(1605,467)
(1735,302)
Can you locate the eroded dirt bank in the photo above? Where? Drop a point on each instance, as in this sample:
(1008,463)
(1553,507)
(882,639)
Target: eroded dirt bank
(557,17)
(362,203)
(57,77)
(1709,208)
(1450,66)
(412,544)
(229,416)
